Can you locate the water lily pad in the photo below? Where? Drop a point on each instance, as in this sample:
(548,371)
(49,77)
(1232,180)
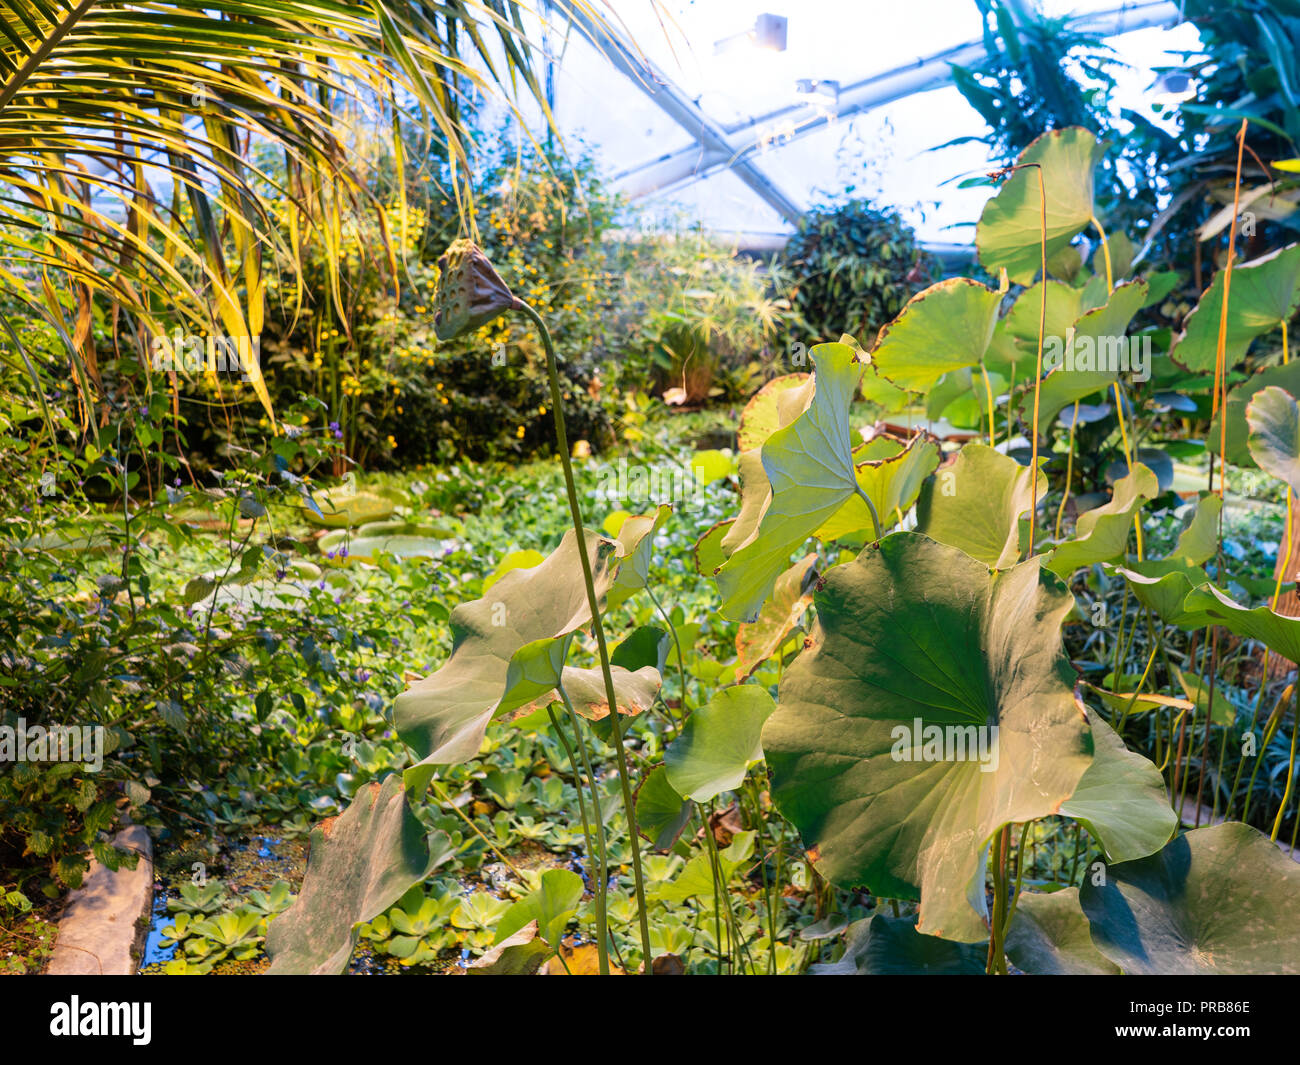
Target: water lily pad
(945,327)
(340,509)
(914,631)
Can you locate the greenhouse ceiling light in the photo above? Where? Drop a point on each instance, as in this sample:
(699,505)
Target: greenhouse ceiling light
(768,33)
(818,93)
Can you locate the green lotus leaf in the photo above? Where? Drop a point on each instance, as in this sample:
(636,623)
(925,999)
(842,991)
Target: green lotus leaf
(757,641)
(1049,937)
(696,878)
(661,814)
(365,548)
(511,561)
(809,465)
(444,717)
(1199,542)
(1274,421)
(755,494)
(914,634)
(1064,308)
(636,541)
(1121,799)
(945,327)
(891,475)
(1164,590)
(976,504)
(551,904)
(1237,450)
(759,419)
(1265,293)
(891,946)
(1102,533)
(1009,233)
(360,863)
(719,742)
(1218,900)
(1096,349)
(708,551)
(1278,632)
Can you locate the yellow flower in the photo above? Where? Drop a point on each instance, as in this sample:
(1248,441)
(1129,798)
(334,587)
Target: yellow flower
(520,432)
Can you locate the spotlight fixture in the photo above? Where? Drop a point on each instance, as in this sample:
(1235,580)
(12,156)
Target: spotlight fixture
(768,32)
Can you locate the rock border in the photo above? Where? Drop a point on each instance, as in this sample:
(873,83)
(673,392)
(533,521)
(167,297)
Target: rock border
(105,921)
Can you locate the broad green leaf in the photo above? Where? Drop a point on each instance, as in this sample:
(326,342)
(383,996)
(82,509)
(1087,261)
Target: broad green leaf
(1102,533)
(891,475)
(1064,308)
(755,494)
(555,900)
(636,541)
(976,504)
(1265,292)
(719,742)
(1049,937)
(661,813)
(360,863)
(757,641)
(708,548)
(521,954)
(1274,421)
(1010,229)
(759,419)
(1218,900)
(1121,799)
(945,327)
(1166,592)
(1221,711)
(711,465)
(891,946)
(1199,542)
(914,634)
(696,878)
(444,717)
(1278,632)
(809,465)
(1093,358)
(1237,450)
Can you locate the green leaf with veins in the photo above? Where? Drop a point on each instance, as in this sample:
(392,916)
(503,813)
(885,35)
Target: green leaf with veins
(1010,230)
(719,742)
(976,504)
(1049,937)
(1121,799)
(1274,421)
(914,629)
(1265,293)
(945,327)
(809,465)
(891,475)
(1218,900)
(1101,534)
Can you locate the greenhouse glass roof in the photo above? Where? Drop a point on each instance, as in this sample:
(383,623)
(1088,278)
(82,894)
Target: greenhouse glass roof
(696,118)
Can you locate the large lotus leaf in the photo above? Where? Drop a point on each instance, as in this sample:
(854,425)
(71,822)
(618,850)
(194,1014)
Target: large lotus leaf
(708,551)
(757,641)
(1049,937)
(914,634)
(1064,307)
(1096,356)
(945,327)
(635,691)
(891,475)
(521,954)
(1163,588)
(759,419)
(755,494)
(1237,446)
(719,742)
(1219,900)
(444,717)
(1010,229)
(1274,421)
(366,548)
(1102,533)
(809,465)
(1121,799)
(360,863)
(511,561)
(1278,632)
(661,814)
(636,546)
(1265,292)
(976,504)
(1199,542)
(891,946)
